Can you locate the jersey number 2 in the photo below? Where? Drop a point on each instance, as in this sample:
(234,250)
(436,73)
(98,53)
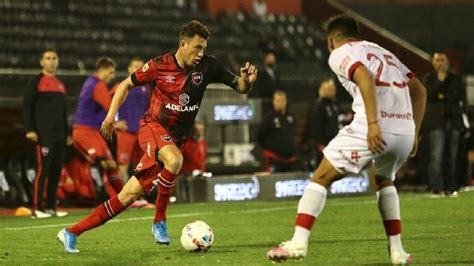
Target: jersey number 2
(388,60)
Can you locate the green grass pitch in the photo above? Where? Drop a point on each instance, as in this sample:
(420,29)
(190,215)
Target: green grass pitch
(349,232)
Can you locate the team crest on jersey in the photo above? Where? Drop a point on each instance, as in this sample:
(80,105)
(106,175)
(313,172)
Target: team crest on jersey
(197,78)
(166,138)
(44,151)
(183,99)
(145,67)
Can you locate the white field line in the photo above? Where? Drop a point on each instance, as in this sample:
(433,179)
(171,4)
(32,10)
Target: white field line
(355,202)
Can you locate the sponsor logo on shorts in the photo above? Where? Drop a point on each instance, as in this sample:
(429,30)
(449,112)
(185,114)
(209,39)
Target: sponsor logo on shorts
(44,151)
(197,78)
(349,130)
(355,156)
(166,138)
(347,158)
(404,116)
(145,67)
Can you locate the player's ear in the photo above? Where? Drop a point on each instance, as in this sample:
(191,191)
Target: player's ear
(330,44)
(182,43)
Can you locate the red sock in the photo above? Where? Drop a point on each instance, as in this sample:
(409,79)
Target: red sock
(166,184)
(392,227)
(104,212)
(305,220)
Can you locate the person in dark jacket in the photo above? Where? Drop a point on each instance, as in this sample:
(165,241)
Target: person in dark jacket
(323,119)
(276,136)
(443,123)
(268,82)
(45,115)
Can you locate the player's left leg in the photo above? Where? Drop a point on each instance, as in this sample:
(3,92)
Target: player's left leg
(103,213)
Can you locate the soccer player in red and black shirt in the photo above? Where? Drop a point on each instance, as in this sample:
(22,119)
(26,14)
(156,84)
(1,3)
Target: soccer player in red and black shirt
(178,81)
(45,113)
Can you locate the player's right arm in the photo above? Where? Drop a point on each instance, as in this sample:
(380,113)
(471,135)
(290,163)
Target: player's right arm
(366,84)
(120,95)
(140,77)
(29,102)
(346,65)
(418,102)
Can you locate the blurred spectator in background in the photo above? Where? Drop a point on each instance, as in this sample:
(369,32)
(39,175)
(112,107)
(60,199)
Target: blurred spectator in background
(194,159)
(195,150)
(323,118)
(259,8)
(93,103)
(45,113)
(443,123)
(130,113)
(267,82)
(276,136)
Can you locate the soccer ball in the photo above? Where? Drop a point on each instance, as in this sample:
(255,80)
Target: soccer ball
(197,236)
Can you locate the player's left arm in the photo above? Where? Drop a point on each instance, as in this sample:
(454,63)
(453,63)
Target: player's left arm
(248,76)
(418,102)
(366,84)
(242,84)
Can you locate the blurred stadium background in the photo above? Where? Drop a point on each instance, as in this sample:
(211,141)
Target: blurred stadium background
(83,30)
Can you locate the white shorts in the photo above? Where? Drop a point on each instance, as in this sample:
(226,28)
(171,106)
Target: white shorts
(348,152)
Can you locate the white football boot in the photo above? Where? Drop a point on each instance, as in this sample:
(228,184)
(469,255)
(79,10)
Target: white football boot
(37,214)
(287,250)
(400,257)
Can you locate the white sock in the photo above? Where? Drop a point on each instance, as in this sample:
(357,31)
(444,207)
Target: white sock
(311,203)
(389,207)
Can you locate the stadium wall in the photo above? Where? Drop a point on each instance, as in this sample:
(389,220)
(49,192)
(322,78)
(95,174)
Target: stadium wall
(267,187)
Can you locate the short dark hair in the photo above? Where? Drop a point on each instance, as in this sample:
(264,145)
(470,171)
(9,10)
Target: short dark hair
(52,50)
(344,25)
(192,28)
(104,62)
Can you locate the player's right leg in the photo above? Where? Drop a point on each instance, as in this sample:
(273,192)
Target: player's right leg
(104,212)
(389,208)
(158,148)
(172,160)
(309,207)
(398,149)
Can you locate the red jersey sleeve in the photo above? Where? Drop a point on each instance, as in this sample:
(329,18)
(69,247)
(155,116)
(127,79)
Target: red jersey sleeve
(102,96)
(145,74)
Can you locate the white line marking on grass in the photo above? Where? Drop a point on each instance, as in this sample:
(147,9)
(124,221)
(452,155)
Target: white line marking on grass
(356,202)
